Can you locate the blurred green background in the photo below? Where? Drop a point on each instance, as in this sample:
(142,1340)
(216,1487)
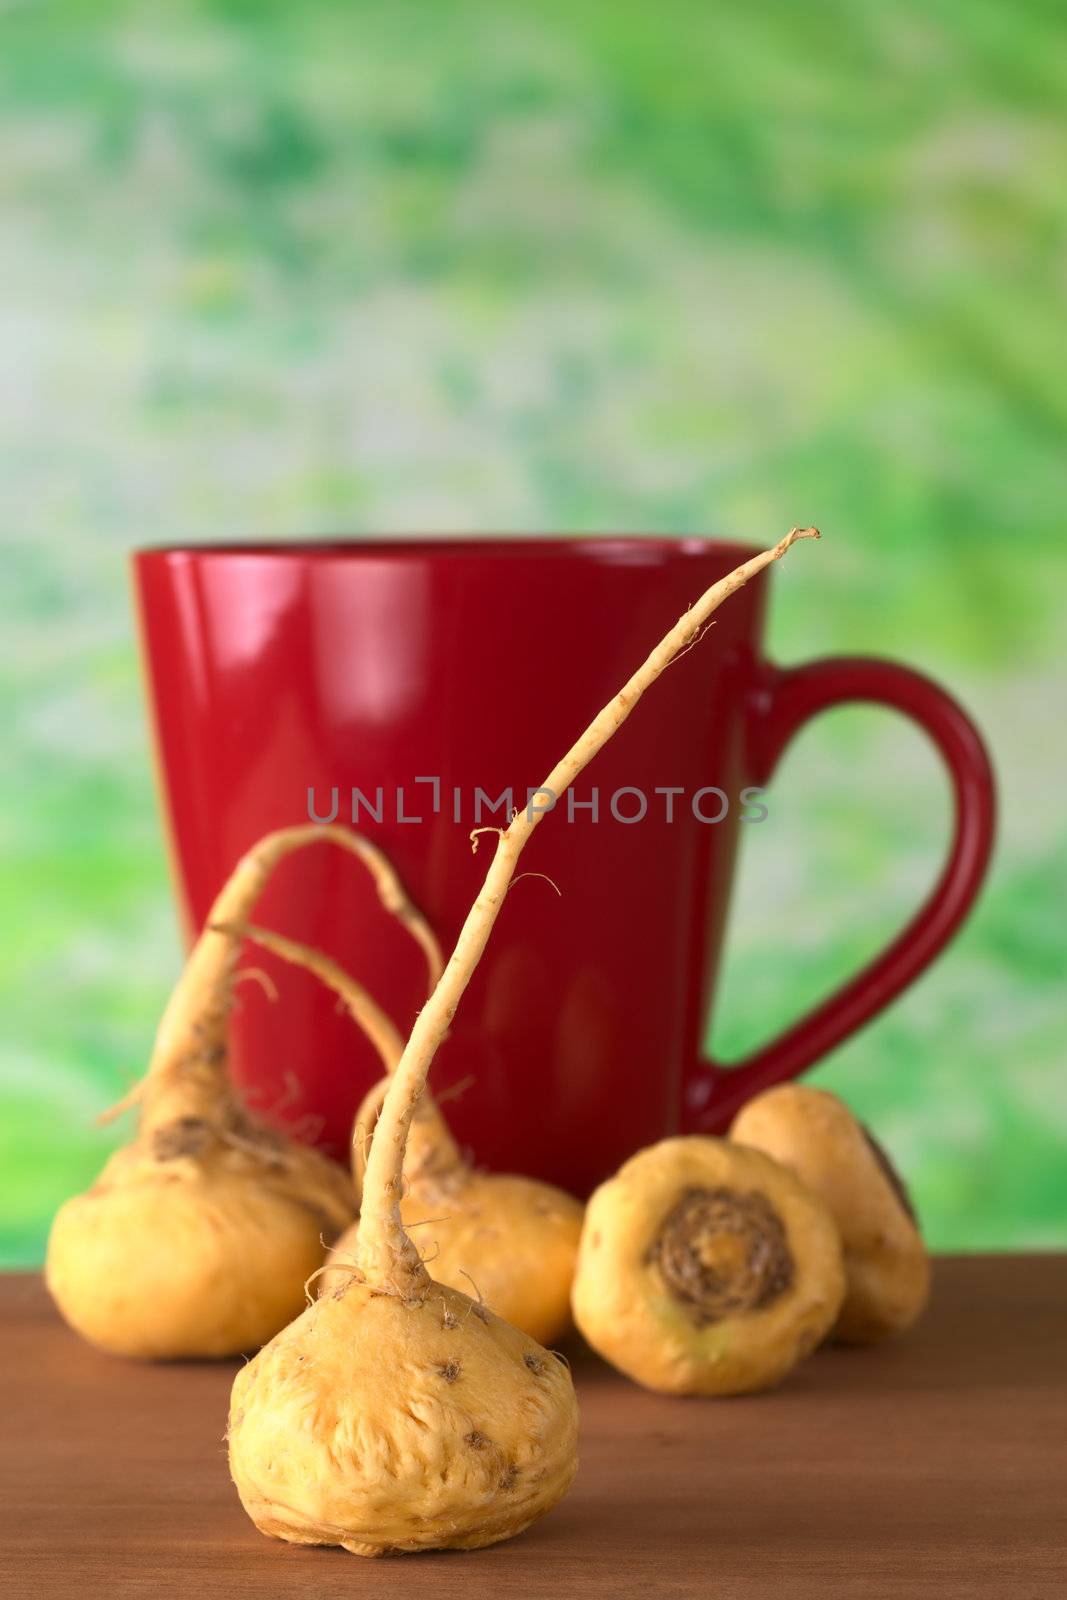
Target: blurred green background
(289,269)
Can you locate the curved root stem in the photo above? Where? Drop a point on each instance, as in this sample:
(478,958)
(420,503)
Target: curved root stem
(543,875)
(128,1101)
(192,1031)
(258,975)
(383,1241)
(437,1155)
(476,834)
(375,1021)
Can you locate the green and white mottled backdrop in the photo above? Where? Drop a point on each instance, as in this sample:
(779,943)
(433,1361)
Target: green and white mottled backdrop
(291,268)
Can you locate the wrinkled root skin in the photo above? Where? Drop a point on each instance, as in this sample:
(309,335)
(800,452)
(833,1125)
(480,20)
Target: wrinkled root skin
(384,1426)
(508,1240)
(199,1251)
(888,1270)
(707,1269)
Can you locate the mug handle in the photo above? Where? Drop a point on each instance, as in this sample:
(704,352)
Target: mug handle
(782,701)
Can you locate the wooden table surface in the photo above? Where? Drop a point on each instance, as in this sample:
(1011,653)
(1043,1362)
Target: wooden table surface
(933,1466)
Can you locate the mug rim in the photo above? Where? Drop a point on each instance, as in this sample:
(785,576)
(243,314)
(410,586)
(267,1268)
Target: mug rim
(596,546)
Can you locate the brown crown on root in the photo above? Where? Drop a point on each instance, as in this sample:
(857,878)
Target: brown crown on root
(723,1252)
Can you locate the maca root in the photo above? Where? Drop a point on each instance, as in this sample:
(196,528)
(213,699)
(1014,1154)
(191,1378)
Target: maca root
(198,1236)
(353,1419)
(816,1135)
(706,1269)
(467,1429)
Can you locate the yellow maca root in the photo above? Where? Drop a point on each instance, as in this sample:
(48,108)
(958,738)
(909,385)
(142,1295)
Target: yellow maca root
(396,1413)
(198,1236)
(500,1446)
(513,1239)
(887,1268)
(387,1425)
(707,1269)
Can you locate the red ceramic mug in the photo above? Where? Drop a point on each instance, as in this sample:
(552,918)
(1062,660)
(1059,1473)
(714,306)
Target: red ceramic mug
(279,674)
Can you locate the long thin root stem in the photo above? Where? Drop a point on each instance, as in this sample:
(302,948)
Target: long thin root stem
(384,1247)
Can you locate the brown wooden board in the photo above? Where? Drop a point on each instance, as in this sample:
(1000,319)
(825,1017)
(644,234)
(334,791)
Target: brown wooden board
(936,1465)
